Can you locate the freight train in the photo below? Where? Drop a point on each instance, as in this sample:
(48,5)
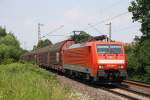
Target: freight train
(94,61)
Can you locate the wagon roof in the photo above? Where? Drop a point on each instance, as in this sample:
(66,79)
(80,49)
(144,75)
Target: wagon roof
(44,49)
(53,48)
(56,47)
(26,53)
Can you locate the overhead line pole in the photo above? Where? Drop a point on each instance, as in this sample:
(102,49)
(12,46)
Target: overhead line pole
(105,20)
(109,31)
(39,31)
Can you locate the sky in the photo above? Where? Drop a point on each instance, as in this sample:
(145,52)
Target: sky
(61,17)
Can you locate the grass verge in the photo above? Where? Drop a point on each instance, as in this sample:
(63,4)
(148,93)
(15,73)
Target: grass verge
(29,82)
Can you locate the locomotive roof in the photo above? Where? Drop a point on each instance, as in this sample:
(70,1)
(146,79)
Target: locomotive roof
(110,42)
(90,43)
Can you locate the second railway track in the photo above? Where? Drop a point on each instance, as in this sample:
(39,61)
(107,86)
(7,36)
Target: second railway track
(96,91)
(107,92)
(141,84)
(137,87)
(131,93)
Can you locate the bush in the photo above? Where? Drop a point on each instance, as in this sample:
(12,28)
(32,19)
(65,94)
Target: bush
(10,50)
(138,57)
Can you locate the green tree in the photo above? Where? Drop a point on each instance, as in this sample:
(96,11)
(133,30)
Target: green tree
(141,13)
(132,61)
(83,36)
(10,50)
(10,40)
(2,32)
(42,43)
(139,55)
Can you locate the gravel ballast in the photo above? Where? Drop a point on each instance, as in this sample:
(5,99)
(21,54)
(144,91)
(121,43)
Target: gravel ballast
(91,93)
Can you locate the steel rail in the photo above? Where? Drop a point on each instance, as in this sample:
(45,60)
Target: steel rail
(135,92)
(137,83)
(120,94)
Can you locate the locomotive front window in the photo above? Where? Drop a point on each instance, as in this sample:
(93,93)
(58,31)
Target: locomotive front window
(109,49)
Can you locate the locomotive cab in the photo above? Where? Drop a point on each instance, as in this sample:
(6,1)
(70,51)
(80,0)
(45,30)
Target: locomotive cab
(111,61)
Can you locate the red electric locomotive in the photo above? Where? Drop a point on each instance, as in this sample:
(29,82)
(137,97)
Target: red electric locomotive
(97,60)
(100,61)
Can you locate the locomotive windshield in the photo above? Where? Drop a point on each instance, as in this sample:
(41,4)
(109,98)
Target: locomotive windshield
(109,49)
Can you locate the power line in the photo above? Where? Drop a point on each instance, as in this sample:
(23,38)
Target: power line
(53,31)
(62,35)
(112,18)
(59,35)
(95,28)
(119,15)
(126,28)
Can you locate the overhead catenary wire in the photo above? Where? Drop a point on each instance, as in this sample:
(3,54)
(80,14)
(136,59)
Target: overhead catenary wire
(95,28)
(91,25)
(126,28)
(59,35)
(107,19)
(53,31)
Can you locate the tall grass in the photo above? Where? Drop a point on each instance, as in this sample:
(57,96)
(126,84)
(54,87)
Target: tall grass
(29,82)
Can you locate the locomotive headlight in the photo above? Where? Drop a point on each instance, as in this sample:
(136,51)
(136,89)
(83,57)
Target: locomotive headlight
(101,67)
(121,67)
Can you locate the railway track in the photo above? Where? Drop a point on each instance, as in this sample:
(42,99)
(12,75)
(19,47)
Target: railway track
(118,90)
(133,87)
(118,93)
(141,84)
(138,87)
(99,92)
(123,91)
(130,93)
